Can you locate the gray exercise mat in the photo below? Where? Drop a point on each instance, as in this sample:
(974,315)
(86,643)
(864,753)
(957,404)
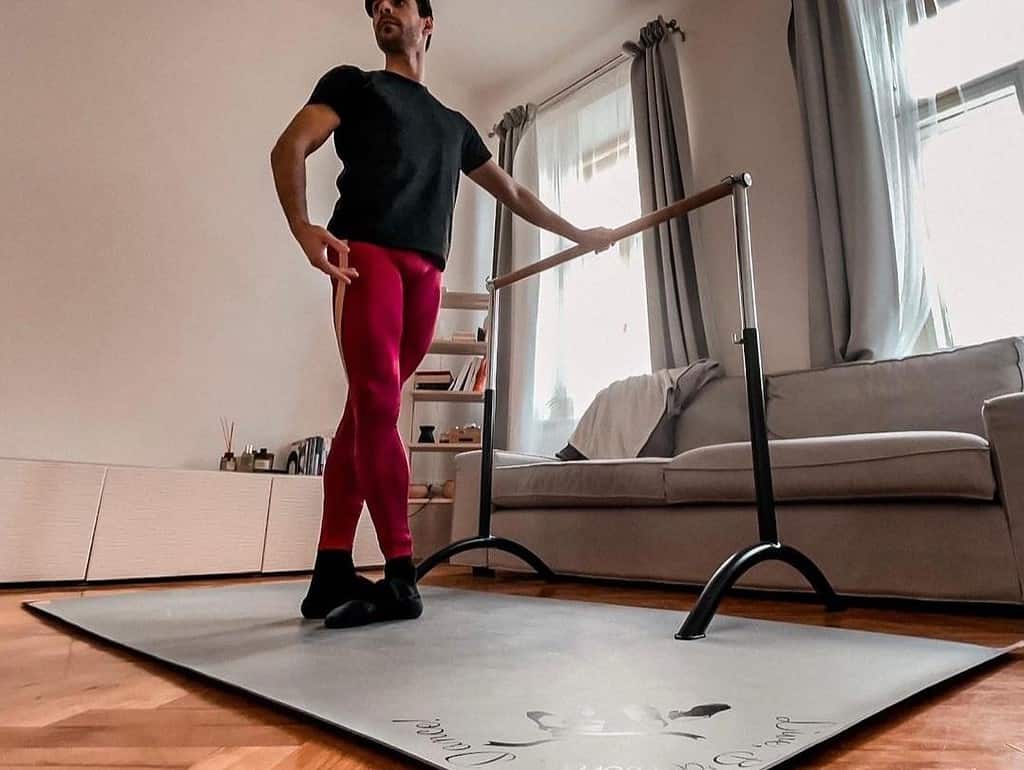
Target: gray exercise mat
(491,680)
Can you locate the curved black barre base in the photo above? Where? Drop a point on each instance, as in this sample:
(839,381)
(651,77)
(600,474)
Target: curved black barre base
(499,543)
(697,621)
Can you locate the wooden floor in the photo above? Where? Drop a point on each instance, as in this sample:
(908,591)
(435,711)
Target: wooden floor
(69,701)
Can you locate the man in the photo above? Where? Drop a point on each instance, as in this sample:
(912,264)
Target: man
(385,249)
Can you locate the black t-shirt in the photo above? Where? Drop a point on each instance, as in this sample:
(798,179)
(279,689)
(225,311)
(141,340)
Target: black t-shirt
(402,152)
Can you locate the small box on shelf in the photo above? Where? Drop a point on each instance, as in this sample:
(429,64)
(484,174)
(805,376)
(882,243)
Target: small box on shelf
(461,434)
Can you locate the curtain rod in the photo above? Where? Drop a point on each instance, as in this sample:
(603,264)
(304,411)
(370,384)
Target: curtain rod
(601,69)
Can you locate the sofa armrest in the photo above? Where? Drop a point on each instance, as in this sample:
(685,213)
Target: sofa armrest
(466,510)
(1004,423)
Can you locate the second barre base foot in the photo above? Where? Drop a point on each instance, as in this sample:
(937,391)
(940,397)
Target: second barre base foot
(696,624)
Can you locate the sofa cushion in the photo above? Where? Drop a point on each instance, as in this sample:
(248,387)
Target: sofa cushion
(717,415)
(938,391)
(636,481)
(923,464)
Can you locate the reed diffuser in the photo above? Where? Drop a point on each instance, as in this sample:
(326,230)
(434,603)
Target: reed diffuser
(227,462)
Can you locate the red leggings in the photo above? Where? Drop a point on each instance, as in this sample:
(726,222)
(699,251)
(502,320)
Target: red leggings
(387,325)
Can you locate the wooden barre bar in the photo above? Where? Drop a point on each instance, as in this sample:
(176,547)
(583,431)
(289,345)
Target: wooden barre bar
(671,211)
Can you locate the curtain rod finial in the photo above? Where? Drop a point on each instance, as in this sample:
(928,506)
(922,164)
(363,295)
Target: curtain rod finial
(674,26)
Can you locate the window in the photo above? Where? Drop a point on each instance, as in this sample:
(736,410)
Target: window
(964,66)
(586,321)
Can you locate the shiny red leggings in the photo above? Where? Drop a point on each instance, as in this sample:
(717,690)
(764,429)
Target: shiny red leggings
(387,320)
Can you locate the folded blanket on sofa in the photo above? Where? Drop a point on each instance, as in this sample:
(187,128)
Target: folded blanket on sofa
(635,417)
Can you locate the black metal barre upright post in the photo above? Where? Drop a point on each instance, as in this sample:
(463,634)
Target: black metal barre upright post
(769,548)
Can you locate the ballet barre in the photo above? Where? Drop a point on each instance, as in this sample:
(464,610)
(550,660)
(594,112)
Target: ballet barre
(769,547)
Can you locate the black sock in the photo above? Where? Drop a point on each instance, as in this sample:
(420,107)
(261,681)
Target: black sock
(333,563)
(334,582)
(401,568)
(333,572)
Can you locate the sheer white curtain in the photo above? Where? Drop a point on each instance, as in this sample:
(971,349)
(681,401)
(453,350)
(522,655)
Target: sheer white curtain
(883,26)
(966,70)
(583,325)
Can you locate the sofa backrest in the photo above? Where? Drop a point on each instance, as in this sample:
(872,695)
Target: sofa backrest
(717,415)
(936,391)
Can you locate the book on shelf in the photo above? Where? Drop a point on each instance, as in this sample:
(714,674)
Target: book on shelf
(307,455)
(471,375)
(481,377)
(320,457)
(467,386)
(435,379)
(461,377)
(469,378)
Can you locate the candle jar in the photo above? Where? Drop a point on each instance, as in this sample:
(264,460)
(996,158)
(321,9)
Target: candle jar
(244,463)
(263,461)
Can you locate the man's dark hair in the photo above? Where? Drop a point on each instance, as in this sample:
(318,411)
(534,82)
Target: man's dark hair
(424,8)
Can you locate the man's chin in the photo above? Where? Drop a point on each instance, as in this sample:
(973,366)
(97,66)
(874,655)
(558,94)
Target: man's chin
(389,41)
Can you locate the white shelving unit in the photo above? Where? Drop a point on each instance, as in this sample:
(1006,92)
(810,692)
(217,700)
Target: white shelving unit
(449,301)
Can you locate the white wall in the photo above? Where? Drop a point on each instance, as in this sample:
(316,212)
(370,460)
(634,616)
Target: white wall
(149,280)
(743,115)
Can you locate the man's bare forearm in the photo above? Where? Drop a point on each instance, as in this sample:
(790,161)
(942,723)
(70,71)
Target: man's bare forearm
(289,166)
(528,206)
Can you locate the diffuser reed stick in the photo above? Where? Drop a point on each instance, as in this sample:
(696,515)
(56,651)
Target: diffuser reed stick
(229,433)
(227,462)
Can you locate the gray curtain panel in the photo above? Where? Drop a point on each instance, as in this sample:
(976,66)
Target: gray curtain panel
(678,332)
(510,130)
(854,290)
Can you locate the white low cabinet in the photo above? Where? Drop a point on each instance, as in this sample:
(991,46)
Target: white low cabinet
(293,527)
(159,522)
(69,521)
(47,515)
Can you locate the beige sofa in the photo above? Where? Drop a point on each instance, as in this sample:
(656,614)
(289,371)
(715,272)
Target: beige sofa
(901,478)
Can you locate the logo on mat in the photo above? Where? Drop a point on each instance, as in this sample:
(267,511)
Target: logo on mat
(626,721)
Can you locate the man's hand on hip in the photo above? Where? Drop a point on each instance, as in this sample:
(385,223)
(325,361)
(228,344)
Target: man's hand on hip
(314,241)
